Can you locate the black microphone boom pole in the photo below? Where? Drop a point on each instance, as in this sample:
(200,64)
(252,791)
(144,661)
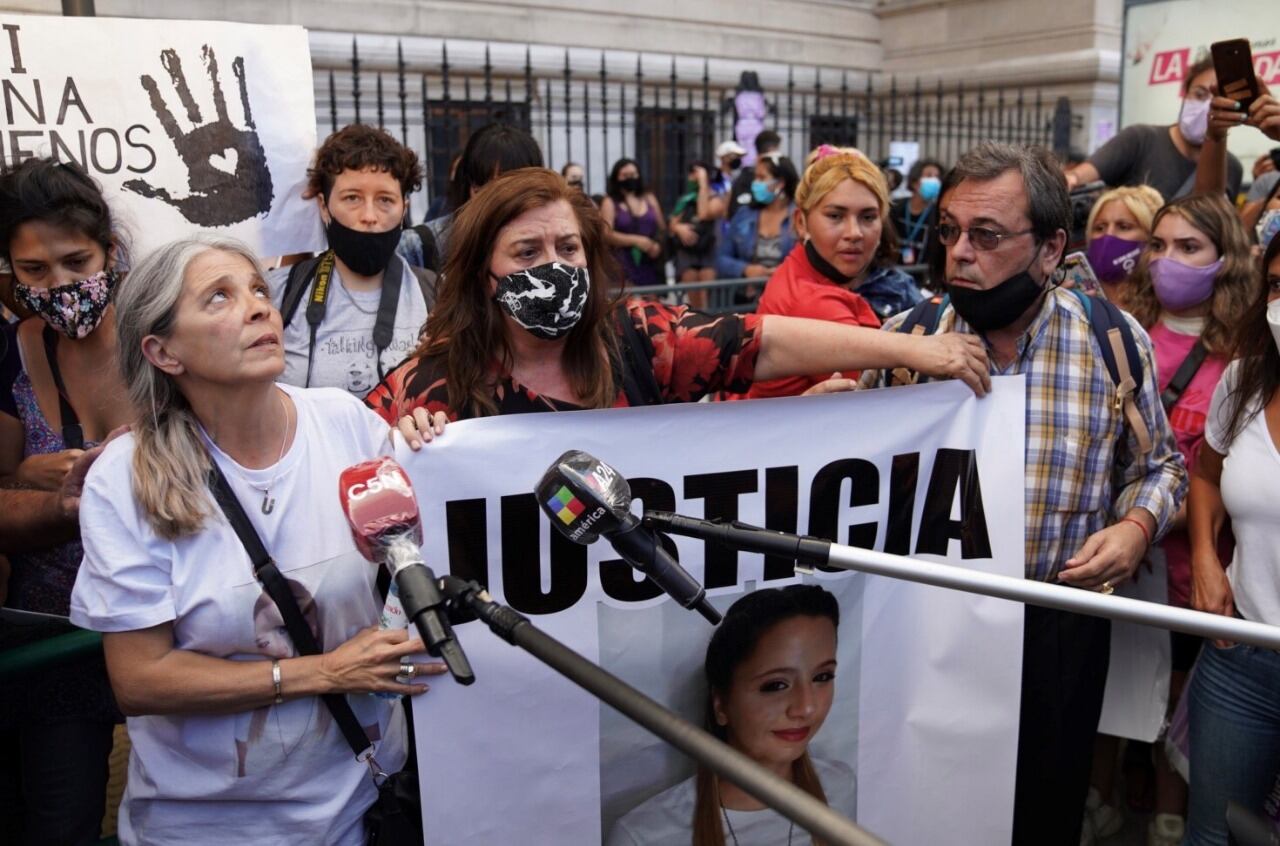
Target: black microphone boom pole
(784,797)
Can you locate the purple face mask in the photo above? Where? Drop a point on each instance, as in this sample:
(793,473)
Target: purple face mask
(1112,258)
(1180,286)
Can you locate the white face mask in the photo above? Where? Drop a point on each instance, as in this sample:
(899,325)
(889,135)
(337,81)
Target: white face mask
(1273,320)
(1193,120)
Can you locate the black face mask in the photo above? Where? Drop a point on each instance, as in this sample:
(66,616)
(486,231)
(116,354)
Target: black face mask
(735,163)
(995,308)
(366,253)
(823,266)
(547,300)
(631,186)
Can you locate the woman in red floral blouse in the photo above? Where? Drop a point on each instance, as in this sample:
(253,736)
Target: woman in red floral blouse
(525,322)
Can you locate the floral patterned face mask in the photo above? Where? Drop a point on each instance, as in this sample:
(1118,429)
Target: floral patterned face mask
(74,309)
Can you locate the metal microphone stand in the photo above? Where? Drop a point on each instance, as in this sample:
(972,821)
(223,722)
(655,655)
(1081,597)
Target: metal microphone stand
(787,799)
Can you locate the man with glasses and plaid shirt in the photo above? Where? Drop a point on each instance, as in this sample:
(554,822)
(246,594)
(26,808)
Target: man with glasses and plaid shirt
(1099,489)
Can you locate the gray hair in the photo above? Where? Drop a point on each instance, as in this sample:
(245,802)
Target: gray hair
(1048,203)
(170,462)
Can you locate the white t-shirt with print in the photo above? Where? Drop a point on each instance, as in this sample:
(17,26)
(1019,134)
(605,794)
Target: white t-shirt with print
(344,352)
(1251,492)
(667,818)
(279,774)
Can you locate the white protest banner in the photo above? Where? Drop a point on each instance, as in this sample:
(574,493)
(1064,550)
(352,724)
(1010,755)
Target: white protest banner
(1137,691)
(187,125)
(927,694)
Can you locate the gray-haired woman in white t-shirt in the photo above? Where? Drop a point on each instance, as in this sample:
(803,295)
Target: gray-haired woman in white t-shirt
(168,581)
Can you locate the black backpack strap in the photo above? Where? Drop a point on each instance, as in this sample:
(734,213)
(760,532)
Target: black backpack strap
(72,433)
(923,319)
(427,281)
(638,380)
(1120,354)
(295,287)
(430,249)
(1183,375)
(277,587)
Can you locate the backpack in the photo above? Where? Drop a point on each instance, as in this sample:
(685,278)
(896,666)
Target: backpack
(1110,329)
(303,274)
(431,258)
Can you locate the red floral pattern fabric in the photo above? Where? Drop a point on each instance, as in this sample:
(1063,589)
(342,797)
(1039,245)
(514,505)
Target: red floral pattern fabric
(694,354)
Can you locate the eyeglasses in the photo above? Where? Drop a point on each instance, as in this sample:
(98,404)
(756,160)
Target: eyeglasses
(575,183)
(981,237)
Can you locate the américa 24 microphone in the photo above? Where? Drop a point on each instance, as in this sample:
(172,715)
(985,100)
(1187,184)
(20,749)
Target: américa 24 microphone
(380,506)
(587,499)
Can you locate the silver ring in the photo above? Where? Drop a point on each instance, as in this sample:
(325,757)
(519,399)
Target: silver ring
(408,670)
(1108,588)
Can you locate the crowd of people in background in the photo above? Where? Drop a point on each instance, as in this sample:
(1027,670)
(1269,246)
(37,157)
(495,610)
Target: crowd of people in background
(516,294)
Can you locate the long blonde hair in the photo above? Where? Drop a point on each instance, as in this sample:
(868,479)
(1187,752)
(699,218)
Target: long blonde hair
(170,462)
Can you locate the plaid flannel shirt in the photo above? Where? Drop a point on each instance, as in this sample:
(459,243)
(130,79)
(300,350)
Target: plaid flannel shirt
(1082,463)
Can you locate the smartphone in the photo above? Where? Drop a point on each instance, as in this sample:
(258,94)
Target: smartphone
(1233,63)
(1275,157)
(1076,273)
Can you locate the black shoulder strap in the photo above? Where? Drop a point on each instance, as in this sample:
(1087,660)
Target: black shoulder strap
(295,288)
(427,281)
(1183,375)
(430,249)
(638,380)
(923,319)
(278,589)
(72,433)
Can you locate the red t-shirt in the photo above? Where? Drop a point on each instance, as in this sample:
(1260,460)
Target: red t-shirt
(797,289)
(1186,418)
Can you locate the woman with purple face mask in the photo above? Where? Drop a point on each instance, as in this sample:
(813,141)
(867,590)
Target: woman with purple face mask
(60,393)
(1118,228)
(1193,286)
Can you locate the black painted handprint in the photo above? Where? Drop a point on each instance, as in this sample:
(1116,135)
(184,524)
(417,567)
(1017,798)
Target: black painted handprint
(227,176)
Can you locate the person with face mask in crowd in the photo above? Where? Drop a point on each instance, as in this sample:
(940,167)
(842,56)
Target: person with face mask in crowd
(1163,157)
(526,322)
(694,225)
(767,143)
(1118,227)
(60,395)
(1193,287)
(913,217)
(1225,114)
(730,155)
(1234,696)
(770,671)
(636,225)
(356,309)
(760,235)
(843,269)
(1104,479)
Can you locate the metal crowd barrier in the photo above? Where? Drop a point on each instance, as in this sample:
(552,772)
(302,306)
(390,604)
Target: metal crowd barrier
(723,294)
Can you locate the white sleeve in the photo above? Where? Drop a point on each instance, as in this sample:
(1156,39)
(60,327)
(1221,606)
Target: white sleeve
(1218,420)
(124,582)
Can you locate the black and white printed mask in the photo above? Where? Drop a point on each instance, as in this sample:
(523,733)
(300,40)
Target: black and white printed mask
(547,300)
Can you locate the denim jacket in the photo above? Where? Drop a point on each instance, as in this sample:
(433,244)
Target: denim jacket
(738,241)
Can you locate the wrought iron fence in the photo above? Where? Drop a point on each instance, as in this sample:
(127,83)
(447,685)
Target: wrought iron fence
(593,113)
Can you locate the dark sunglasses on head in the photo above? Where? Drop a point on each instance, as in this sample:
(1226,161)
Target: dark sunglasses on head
(981,237)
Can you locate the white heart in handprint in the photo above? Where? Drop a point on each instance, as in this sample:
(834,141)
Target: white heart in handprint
(224,161)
